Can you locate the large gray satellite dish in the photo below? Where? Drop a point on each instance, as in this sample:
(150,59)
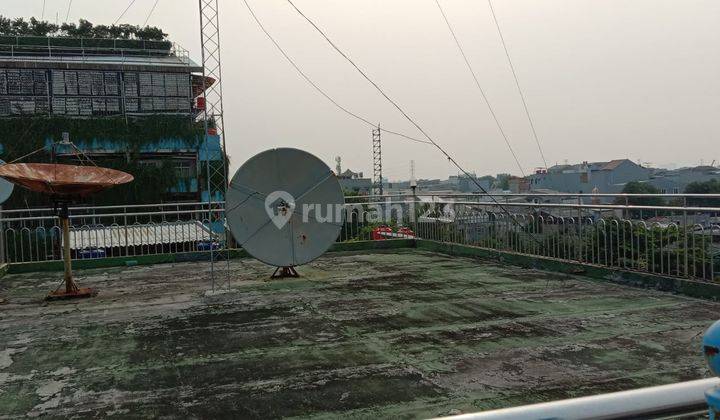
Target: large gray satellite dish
(6,187)
(284,207)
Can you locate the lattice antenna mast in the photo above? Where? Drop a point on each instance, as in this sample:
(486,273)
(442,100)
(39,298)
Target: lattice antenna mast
(216,170)
(377,161)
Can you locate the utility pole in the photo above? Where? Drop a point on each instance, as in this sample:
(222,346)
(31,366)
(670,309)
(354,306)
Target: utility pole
(377,161)
(413,180)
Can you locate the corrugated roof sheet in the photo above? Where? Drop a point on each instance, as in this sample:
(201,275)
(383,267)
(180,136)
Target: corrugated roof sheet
(136,235)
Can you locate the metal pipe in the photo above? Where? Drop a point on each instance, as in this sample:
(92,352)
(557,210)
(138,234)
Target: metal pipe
(673,399)
(569,195)
(573,206)
(70,286)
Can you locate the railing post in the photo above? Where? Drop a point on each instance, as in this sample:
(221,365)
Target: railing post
(125,222)
(3,260)
(579,227)
(685,235)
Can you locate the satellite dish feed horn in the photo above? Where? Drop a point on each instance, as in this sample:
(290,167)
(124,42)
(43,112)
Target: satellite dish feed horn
(285,207)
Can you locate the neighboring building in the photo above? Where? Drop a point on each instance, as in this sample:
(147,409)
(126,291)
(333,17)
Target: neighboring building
(588,177)
(355,182)
(466,184)
(518,185)
(96,87)
(675,181)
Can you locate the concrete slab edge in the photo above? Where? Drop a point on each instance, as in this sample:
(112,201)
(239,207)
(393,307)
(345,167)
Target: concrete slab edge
(692,288)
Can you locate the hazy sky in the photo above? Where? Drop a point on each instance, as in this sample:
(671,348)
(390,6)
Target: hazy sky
(603,79)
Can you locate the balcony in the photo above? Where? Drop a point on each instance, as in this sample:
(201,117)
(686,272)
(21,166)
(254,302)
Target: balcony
(454,307)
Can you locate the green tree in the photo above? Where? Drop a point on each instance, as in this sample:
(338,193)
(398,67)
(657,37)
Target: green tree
(41,27)
(708,187)
(151,33)
(83,29)
(503,181)
(636,187)
(20,27)
(5,25)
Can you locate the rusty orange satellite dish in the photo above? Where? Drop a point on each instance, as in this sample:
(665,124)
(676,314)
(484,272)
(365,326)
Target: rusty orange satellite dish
(63,180)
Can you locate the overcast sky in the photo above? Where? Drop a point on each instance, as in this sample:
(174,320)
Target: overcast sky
(604,79)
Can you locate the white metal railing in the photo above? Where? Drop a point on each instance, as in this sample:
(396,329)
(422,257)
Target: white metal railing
(82,53)
(110,231)
(677,241)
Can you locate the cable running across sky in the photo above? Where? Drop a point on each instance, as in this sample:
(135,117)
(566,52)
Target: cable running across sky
(124,12)
(147,19)
(405,114)
(517,83)
(67,15)
(482,92)
(318,88)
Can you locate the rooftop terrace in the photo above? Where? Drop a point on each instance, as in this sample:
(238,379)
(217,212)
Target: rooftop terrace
(387,333)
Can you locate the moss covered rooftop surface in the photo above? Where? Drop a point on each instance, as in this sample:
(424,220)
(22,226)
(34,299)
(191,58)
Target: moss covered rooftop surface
(384,334)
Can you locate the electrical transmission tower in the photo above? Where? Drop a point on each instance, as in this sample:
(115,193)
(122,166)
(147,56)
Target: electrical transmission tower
(377,162)
(215,157)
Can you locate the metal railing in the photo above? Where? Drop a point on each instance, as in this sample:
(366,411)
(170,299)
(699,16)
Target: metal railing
(90,49)
(677,241)
(670,240)
(109,231)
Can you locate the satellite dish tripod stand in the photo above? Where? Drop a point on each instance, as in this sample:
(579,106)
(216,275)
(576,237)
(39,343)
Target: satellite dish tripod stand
(72,290)
(284,272)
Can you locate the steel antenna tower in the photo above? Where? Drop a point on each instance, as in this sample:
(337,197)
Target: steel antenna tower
(377,161)
(216,163)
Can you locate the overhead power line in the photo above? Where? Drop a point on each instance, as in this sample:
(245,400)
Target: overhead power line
(482,91)
(124,12)
(67,15)
(406,115)
(315,85)
(147,19)
(517,83)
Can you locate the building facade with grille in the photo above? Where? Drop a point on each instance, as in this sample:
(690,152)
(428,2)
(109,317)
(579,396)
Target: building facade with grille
(114,97)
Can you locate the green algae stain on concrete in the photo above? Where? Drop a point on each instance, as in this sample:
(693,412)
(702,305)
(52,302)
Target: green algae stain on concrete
(393,333)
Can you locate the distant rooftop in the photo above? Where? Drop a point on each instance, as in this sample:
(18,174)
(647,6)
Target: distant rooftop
(595,166)
(49,52)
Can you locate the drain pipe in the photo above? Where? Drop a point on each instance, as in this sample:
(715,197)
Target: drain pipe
(653,402)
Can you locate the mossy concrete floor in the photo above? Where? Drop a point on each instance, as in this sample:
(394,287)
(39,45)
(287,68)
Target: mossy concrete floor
(386,334)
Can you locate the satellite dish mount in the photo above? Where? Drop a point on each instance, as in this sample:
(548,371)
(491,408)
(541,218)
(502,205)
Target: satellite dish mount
(64,183)
(284,272)
(72,290)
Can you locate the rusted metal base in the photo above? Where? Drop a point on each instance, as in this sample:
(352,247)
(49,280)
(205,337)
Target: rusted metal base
(284,272)
(76,294)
